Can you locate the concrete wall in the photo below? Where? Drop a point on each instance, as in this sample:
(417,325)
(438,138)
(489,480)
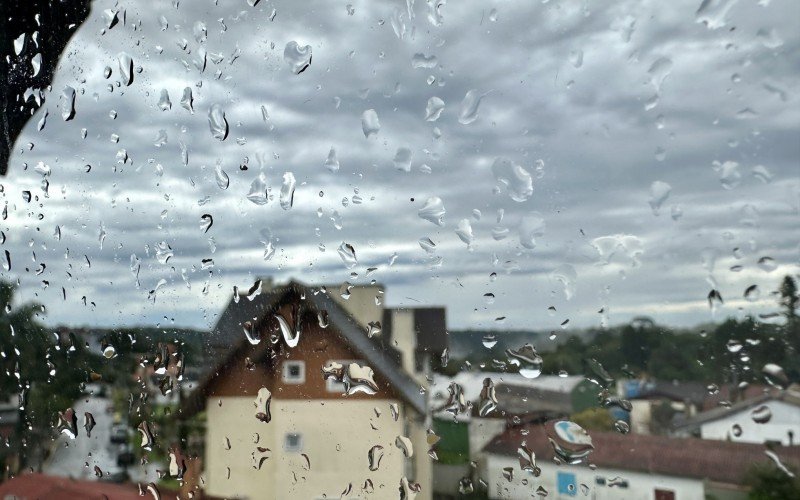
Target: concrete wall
(785,418)
(640,486)
(336,437)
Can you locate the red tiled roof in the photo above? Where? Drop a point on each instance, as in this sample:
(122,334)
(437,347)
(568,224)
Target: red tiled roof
(720,461)
(44,487)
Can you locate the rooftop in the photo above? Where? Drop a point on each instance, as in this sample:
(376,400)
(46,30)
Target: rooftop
(719,461)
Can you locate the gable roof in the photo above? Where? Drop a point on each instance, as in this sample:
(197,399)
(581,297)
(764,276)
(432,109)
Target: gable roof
(787,396)
(383,359)
(721,461)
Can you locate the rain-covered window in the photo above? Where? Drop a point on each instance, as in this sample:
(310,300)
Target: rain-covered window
(416,249)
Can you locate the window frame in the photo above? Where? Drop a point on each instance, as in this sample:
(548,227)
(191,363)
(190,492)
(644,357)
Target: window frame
(285,372)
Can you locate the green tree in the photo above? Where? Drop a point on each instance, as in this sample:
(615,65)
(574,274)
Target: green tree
(769,483)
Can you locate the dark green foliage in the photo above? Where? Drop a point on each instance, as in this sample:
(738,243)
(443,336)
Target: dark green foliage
(767,482)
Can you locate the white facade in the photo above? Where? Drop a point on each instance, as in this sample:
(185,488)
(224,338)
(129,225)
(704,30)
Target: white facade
(582,482)
(336,436)
(783,426)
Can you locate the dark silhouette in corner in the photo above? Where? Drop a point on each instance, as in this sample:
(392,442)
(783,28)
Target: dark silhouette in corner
(53,22)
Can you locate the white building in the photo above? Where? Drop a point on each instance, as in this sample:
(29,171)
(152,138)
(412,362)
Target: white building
(278,428)
(626,467)
(769,418)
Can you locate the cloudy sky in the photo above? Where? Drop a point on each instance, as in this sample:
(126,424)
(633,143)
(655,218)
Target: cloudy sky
(627,158)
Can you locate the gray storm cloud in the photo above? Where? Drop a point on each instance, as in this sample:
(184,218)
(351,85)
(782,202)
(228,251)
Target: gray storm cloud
(595,105)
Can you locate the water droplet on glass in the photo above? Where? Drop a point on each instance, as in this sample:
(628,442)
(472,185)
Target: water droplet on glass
(370,124)
(67,103)
(348,255)
(263,399)
(125,68)
(515,179)
(290,335)
(767,264)
(531,226)
(287,191)
(761,414)
(187,101)
(775,375)
(570,441)
(147,435)
(374,456)
(402,159)
(488,398)
(489,340)
(164,104)
(332,163)
(68,423)
(404,444)
(659,192)
(217,122)
(469,107)
(527,359)
(433,211)
(258,190)
(36,64)
(298,58)
(434,109)
(88,423)
(464,231)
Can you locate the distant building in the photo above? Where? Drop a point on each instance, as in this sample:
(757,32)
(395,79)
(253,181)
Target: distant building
(626,467)
(656,405)
(773,417)
(312,441)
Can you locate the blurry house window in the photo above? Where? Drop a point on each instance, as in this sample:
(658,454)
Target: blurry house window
(294,372)
(293,442)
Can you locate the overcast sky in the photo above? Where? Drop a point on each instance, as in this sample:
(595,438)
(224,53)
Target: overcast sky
(661,141)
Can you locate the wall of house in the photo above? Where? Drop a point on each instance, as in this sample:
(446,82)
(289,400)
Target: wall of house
(640,486)
(404,339)
(640,415)
(336,437)
(785,419)
(361,304)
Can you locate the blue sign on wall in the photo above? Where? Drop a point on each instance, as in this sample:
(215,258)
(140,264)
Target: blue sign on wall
(566,484)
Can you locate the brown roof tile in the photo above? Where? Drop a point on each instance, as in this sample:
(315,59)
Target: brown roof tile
(720,461)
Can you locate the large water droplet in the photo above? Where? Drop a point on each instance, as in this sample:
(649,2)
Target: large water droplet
(761,414)
(287,190)
(332,163)
(433,211)
(434,109)
(348,255)
(164,104)
(570,441)
(217,122)
(404,444)
(488,398)
(469,107)
(290,335)
(370,124)
(258,190)
(187,101)
(262,403)
(531,226)
(515,179)
(659,192)
(147,435)
(67,103)
(402,159)
(374,456)
(298,58)
(527,359)
(125,68)
(775,375)
(88,423)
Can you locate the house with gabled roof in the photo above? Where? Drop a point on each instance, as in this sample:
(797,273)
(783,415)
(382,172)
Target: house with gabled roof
(322,393)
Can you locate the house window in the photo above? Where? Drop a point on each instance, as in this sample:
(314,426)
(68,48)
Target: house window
(294,372)
(293,442)
(566,484)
